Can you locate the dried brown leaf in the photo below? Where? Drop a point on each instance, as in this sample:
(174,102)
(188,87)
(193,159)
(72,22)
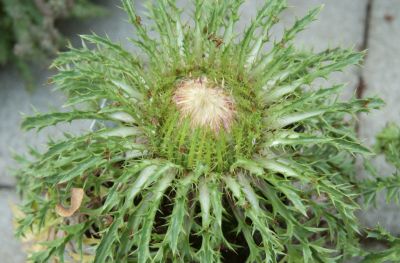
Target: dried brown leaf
(76,201)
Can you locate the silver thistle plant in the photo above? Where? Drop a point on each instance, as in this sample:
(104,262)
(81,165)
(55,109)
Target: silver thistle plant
(209,147)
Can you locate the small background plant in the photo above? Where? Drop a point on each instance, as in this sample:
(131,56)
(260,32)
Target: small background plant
(28,28)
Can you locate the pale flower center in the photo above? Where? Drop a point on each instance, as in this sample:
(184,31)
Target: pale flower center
(204,105)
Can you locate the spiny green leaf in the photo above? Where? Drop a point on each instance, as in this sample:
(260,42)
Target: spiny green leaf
(109,239)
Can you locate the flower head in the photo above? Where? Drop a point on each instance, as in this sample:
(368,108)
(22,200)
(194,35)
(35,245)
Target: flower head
(204,105)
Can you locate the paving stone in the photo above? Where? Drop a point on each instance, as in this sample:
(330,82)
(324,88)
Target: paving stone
(382,78)
(10,249)
(340,23)
(113,24)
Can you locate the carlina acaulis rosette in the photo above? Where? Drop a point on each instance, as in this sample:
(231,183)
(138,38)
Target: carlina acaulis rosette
(209,145)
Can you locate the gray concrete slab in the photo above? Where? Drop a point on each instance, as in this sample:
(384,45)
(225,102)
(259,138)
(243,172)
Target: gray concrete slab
(382,78)
(9,245)
(340,22)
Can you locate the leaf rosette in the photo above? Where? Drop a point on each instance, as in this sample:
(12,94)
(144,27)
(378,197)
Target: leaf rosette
(209,145)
